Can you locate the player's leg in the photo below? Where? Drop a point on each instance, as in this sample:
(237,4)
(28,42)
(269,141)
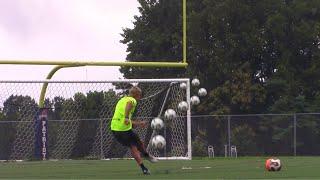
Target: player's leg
(140,145)
(126,138)
(136,155)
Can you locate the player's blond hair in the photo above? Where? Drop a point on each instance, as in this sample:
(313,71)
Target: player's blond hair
(134,90)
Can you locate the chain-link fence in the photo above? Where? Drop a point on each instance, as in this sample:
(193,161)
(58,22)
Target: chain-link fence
(256,135)
(214,136)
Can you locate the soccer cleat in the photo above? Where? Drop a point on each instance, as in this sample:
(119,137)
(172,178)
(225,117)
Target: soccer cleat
(152,159)
(146,171)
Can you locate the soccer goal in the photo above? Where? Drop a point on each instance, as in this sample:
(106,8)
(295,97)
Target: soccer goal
(75,120)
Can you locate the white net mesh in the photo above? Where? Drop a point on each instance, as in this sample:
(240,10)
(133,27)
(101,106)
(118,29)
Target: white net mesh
(79,118)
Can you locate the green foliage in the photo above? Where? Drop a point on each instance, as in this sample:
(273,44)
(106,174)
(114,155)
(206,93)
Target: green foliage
(310,139)
(156,37)
(251,56)
(238,49)
(16,108)
(199,147)
(84,107)
(244,137)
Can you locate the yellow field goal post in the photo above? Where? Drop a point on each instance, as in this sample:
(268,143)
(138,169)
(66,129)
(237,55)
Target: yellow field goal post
(74,63)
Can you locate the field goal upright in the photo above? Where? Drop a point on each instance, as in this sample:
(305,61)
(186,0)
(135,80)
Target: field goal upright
(174,63)
(78,118)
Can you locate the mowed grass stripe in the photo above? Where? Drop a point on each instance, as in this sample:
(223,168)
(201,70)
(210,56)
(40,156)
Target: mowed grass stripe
(225,168)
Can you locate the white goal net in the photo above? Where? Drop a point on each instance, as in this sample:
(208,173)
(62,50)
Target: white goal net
(79,115)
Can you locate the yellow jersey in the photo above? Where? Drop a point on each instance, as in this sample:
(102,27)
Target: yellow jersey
(117,123)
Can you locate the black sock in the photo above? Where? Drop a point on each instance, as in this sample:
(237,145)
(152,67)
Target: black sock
(142,166)
(146,154)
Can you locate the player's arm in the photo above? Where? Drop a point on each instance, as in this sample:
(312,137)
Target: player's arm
(126,112)
(127,119)
(140,123)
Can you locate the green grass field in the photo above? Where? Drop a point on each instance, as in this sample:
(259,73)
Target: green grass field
(221,168)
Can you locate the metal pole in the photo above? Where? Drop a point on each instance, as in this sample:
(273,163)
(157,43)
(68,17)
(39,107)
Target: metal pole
(229,137)
(189,121)
(294,134)
(101,140)
(225,150)
(45,84)
(184,31)
(83,62)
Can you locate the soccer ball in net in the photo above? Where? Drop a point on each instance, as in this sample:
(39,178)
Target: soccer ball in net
(158,142)
(273,164)
(183,106)
(195,82)
(157,123)
(202,92)
(183,86)
(195,100)
(170,114)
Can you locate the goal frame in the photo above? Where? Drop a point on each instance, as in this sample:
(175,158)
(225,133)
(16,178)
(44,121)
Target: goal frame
(188,156)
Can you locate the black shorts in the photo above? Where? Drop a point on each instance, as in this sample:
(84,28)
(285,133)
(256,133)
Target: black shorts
(127,138)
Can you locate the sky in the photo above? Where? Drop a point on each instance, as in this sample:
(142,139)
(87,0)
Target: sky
(63,30)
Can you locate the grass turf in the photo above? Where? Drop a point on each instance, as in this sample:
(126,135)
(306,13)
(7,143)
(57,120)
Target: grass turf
(221,168)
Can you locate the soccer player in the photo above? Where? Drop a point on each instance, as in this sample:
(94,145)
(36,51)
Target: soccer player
(121,127)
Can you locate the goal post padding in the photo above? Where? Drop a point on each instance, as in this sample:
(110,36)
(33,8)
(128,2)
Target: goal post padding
(79,115)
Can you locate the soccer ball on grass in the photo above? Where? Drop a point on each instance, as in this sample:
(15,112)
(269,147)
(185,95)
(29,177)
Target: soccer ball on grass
(273,164)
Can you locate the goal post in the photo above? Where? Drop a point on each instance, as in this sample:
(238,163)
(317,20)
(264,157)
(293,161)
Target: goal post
(174,63)
(75,120)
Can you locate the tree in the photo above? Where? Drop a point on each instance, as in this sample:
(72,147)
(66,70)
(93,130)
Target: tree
(91,106)
(156,37)
(252,56)
(17,111)
(266,41)
(294,30)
